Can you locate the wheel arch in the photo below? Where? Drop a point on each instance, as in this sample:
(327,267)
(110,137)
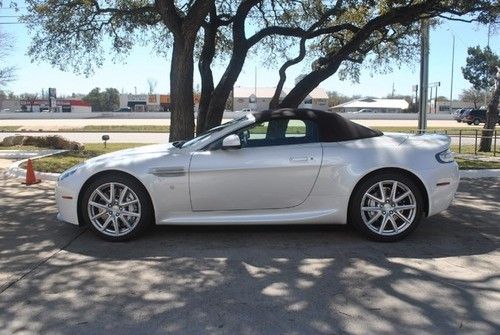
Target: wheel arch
(109,172)
(406,173)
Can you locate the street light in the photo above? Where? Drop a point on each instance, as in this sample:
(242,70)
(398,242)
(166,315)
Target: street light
(452,68)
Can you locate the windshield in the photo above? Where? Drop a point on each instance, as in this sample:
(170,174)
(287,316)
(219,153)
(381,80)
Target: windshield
(211,133)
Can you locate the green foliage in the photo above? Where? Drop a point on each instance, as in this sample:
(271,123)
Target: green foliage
(474,96)
(105,101)
(335,98)
(6,72)
(480,68)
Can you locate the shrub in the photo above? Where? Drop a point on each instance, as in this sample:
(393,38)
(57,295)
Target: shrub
(51,142)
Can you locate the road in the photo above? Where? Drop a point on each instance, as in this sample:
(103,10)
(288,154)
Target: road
(60,279)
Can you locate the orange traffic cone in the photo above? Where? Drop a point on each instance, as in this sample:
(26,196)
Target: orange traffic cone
(30,174)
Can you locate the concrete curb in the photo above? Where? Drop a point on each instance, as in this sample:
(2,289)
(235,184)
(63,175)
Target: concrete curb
(485,173)
(14,171)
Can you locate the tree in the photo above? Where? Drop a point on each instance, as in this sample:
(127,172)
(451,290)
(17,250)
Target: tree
(335,98)
(482,70)
(474,96)
(70,34)
(333,36)
(340,36)
(3,97)
(6,72)
(107,100)
(30,98)
(152,85)
(110,99)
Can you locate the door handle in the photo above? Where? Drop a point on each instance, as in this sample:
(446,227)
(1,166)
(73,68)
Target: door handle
(299,159)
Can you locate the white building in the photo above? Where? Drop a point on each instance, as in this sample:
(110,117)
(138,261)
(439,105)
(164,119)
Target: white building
(259,98)
(373,104)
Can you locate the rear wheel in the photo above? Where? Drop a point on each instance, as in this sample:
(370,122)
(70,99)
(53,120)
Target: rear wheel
(116,207)
(477,122)
(386,207)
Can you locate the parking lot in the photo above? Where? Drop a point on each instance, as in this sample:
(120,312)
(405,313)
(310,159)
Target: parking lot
(443,279)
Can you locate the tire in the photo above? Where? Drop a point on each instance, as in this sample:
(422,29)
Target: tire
(477,122)
(123,218)
(469,123)
(369,222)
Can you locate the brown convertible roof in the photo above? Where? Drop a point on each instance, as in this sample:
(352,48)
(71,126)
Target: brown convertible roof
(332,126)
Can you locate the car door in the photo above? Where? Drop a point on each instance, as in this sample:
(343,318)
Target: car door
(268,172)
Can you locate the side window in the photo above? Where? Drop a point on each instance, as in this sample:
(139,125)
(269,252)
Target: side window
(296,128)
(279,132)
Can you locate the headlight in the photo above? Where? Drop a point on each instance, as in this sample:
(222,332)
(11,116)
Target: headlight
(445,156)
(69,172)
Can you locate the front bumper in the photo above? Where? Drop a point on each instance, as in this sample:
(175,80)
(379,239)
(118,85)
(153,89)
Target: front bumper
(67,203)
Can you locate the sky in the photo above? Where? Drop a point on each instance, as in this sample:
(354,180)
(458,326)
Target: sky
(132,75)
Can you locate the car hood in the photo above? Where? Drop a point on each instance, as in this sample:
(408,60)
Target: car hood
(138,153)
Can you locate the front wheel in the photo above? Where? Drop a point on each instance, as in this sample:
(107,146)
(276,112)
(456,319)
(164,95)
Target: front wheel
(116,207)
(477,122)
(386,207)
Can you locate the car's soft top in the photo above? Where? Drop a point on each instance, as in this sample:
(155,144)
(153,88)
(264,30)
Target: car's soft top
(332,126)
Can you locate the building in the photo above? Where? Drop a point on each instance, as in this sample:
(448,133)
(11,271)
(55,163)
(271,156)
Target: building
(145,102)
(61,106)
(373,104)
(443,107)
(150,102)
(260,97)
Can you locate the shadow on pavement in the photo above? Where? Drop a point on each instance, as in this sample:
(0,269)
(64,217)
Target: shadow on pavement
(262,279)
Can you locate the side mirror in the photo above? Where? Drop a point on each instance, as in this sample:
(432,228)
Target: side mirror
(231,142)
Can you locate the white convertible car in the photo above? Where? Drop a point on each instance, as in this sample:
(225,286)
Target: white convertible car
(285,166)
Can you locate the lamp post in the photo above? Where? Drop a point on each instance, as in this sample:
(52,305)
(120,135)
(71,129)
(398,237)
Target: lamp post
(424,75)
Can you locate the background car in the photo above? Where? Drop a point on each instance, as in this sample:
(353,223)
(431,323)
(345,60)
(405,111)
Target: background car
(457,115)
(123,110)
(286,166)
(474,116)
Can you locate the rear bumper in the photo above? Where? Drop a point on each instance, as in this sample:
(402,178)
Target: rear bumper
(442,186)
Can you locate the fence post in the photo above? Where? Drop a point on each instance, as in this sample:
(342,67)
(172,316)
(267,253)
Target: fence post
(475,144)
(460,141)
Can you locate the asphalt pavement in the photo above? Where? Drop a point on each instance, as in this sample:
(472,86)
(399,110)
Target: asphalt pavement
(308,279)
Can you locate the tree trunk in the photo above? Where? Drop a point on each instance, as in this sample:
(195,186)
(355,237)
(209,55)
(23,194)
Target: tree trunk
(223,90)
(295,97)
(491,118)
(181,90)
(207,80)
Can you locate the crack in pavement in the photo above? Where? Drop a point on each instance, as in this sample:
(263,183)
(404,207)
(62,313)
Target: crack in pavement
(30,270)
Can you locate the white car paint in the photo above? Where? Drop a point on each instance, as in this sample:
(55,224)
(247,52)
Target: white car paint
(303,183)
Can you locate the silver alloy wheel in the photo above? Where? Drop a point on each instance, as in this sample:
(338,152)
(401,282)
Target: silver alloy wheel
(388,207)
(114,209)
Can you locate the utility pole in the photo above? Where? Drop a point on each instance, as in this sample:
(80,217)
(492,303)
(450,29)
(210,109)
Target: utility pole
(452,68)
(415,89)
(434,85)
(424,75)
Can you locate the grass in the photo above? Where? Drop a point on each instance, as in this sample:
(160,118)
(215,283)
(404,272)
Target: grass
(59,163)
(475,164)
(120,129)
(9,128)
